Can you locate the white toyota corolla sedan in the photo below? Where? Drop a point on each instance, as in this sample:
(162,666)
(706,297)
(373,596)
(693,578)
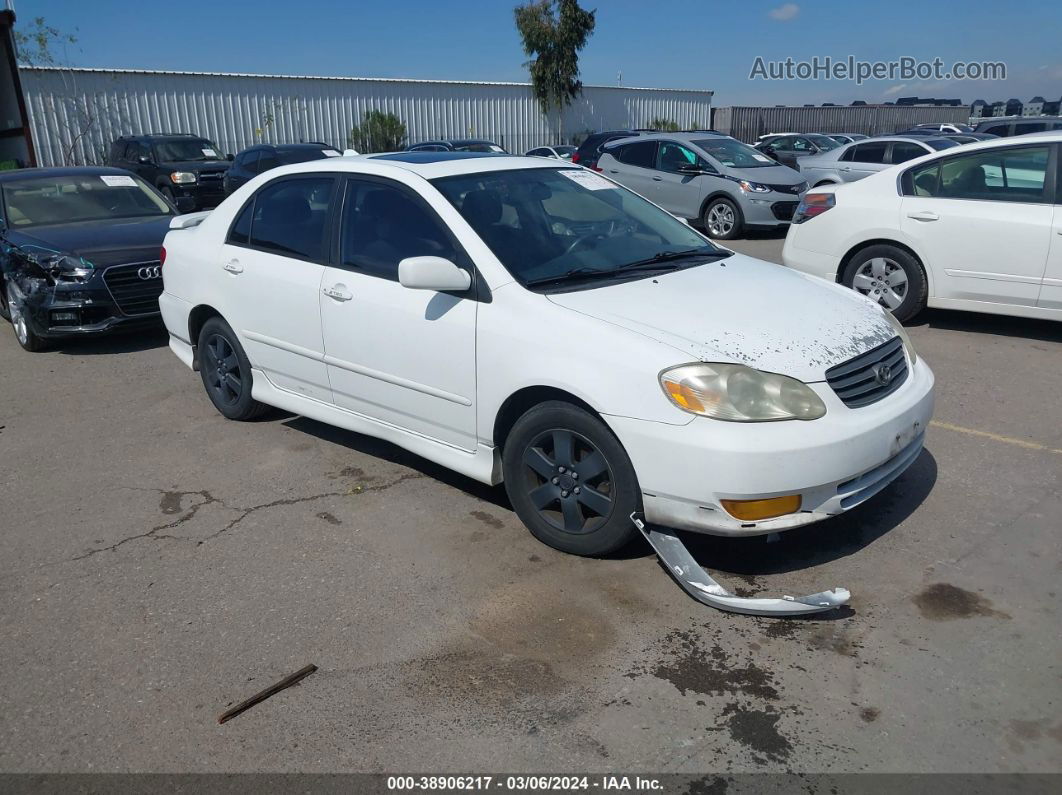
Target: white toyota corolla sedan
(976,227)
(529,321)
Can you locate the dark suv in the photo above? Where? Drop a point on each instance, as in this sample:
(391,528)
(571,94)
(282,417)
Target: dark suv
(589,150)
(261,158)
(187,169)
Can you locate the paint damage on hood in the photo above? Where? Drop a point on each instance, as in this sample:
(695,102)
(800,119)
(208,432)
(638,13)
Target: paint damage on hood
(745,311)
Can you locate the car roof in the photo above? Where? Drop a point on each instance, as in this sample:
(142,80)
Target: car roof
(61,171)
(687,137)
(428,165)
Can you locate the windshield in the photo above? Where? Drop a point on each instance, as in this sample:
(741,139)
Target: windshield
(823,142)
(942,143)
(89,197)
(564,151)
(177,149)
(543,223)
(734,153)
(478,146)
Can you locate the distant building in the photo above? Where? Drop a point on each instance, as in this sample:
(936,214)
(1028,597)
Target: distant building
(1053,108)
(927,101)
(1013,107)
(859,102)
(1034,107)
(980,109)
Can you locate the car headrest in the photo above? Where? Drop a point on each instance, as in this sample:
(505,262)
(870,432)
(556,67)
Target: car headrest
(482,207)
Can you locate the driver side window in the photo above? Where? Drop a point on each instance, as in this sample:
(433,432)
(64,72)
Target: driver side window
(671,156)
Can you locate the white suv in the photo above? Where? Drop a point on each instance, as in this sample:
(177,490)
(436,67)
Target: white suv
(530,321)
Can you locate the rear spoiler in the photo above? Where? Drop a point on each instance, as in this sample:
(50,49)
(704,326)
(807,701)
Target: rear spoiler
(188,221)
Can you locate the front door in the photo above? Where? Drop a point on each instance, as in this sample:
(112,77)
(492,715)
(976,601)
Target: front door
(680,194)
(274,256)
(983,222)
(1051,292)
(404,357)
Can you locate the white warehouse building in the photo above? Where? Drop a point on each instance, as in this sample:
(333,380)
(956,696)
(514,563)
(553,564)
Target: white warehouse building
(76,113)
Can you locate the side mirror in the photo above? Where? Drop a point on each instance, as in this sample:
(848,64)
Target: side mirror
(230,157)
(693,169)
(432,273)
(144,160)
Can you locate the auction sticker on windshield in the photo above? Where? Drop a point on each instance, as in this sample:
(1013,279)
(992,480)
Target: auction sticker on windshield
(209,152)
(587,179)
(330,153)
(762,158)
(118,181)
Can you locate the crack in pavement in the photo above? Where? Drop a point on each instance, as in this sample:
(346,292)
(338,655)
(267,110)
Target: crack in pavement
(171,501)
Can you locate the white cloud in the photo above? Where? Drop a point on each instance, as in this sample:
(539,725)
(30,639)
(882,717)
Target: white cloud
(784,12)
(894,89)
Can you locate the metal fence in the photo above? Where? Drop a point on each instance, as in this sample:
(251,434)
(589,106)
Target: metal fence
(76,113)
(748,123)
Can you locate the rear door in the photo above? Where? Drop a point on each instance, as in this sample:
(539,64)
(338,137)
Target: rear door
(633,165)
(866,158)
(404,357)
(274,258)
(1051,291)
(982,222)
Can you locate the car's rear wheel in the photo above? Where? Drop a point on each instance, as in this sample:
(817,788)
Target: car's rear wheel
(226,372)
(570,480)
(723,219)
(890,276)
(20,323)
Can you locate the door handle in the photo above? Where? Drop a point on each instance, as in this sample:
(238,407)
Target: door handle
(924,215)
(338,292)
(612,171)
(658,179)
(233,266)
(845,168)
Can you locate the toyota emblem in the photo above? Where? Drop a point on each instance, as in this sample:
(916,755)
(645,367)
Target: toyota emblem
(149,272)
(882,374)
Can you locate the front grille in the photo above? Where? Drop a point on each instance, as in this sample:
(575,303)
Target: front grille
(794,189)
(783,211)
(134,295)
(861,381)
(211,176)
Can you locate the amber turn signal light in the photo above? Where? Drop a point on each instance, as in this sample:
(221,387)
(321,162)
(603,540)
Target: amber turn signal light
(755,510)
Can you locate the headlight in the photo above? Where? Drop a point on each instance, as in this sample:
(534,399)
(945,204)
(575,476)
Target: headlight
(753,187)
(182,177)
(897,326)
(64,268)
(737,393)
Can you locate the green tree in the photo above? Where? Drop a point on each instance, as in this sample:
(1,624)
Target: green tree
(664,125)
(553,32)
(35,44)
(378,132)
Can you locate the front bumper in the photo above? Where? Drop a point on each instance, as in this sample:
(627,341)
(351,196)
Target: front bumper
(834,463)
(768,209)
(206,195)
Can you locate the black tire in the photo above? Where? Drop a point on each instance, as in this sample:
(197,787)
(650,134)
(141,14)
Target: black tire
(226,372)
(891,276)
(723,219)
(544,447)
(5,314)
(23,331)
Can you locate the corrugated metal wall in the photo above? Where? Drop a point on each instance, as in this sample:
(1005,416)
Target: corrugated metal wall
(76,113)
(749,123)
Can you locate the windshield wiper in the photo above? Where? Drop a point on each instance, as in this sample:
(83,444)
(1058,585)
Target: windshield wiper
(663,258)
(574,273)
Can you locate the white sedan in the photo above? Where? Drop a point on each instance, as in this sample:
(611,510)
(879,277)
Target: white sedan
(977,228)
(528,321)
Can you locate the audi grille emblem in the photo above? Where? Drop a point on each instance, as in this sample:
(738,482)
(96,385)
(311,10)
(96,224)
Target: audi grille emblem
(882,374)
(150,272)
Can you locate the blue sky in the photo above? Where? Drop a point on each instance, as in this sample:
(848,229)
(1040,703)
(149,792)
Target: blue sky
(661,43)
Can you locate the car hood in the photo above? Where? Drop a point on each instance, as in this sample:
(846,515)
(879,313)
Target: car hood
(102,243)
(745,311)
(771,175)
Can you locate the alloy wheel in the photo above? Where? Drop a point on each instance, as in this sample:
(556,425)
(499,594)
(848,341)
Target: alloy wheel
(222,369)
(883,280)
(18,319)
(721,219)
(568,481)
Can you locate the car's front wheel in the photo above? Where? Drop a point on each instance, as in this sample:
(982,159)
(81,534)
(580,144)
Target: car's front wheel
(890,276)
(20,323)
(570,480)
(226,372)
(4,312)
(723,219)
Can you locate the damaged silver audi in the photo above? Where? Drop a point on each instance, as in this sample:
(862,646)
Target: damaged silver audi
(79,252)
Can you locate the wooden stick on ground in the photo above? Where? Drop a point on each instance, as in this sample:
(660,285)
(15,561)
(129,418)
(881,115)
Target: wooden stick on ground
(286,682)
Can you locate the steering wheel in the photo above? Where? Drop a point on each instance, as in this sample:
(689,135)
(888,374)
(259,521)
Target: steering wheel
(579,241)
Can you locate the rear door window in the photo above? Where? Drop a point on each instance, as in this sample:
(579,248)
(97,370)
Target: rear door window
(1013,175)
(641,154)
(289,217)
(873,152)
